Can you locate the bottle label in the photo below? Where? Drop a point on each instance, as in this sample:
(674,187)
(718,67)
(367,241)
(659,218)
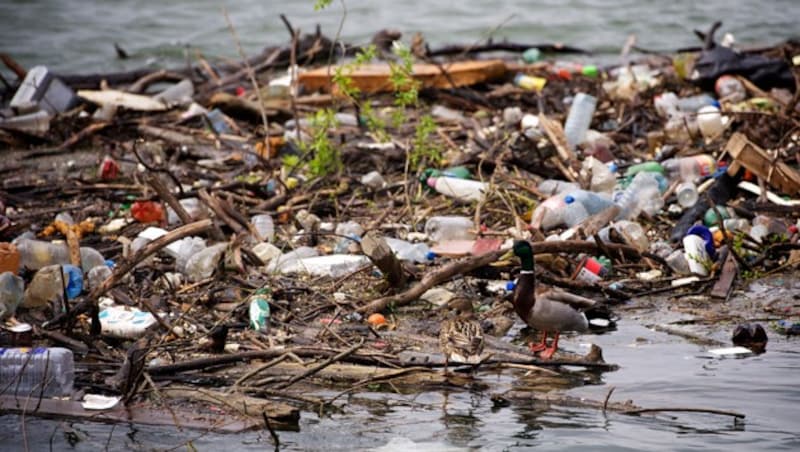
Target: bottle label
(587,276)
(705,164)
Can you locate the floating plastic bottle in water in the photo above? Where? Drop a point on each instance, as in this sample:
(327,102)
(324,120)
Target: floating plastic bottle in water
(32,371)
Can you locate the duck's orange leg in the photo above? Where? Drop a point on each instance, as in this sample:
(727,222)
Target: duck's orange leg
(541,345)
(548,352)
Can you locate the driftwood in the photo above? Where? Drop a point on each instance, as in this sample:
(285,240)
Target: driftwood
(375,247)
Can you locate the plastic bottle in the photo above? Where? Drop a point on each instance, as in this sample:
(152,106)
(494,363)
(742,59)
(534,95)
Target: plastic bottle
(710,121)
(453,227)
(74,280)
(696,255)
(730,88)
(407,251)
(183,249)
(590,270)
(689,168)
(462,189)
(97,275)
(288,259)
(603,177)
(264,226)
(33,371)
(693,104)
(642,194)
(36,254)
(333,265)
(202,265)
(592,202)
(579,119)
(631,231)
(12,290)
(461,172)
(549,213)
(192,206)
(574,212)
(645,167)
(259,310)
(687,194)
(530,82)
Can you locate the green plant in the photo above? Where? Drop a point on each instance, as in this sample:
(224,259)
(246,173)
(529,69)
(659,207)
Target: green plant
(423,149)
(319,5)
(406,89)
(326,158)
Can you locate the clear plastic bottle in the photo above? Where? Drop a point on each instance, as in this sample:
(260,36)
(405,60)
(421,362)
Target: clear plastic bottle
(449,227)
(288,259)
(407,251)
(183,250)
(687,194)
(12,289)
(47,287)
(574,212)
(97,275)
(592,202)
(689,168)
(27,370)
(692,104)
(642,194)
(462,189)
(579,119)
(202,265)
(35,254)
(633,233)
(264,226)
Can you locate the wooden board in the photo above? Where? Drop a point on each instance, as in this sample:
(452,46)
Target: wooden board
(777,174)
(374,78)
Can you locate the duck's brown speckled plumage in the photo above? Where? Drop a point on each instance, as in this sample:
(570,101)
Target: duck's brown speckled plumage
(461,336)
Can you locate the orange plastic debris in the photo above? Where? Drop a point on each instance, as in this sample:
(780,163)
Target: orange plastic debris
(147,211)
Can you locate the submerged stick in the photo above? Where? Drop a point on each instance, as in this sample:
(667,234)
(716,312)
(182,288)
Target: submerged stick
(688,410)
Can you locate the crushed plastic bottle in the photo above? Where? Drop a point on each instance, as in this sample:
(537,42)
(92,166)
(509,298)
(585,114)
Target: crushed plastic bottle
(287,260)
(643,194)
(202,265)
(28,372)
(192,206)
(556,187)
(47,287)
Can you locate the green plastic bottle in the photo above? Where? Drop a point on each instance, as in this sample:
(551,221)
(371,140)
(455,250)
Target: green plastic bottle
(461,172)
(711,219)
(646,167)
(259,310)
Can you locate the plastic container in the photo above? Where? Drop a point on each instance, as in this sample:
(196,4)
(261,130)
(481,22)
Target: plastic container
(407,251)
(693,104)
(530,82)
(710,122)
(579,119)
(202,265)
(264,226)
(689,168)
(645,167)
(631,231)
(192,206)
(441,228)
(288,259)
(333,265)
(574,212)
(696,256)
(259,310)
(183,249)
(40,87)
(28,372)
(34,123)
(12,290)
(687,194)
(461,189)
(643,194)
(590,270)
(729,88)
(124,322)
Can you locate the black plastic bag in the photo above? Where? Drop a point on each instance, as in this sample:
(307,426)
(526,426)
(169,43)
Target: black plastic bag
(766,73)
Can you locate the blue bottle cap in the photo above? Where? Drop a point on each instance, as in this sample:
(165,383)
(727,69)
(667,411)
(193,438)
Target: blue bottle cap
(430,255)
(569,199)
(613,167)
(715,103)
(110,263)
(510,286)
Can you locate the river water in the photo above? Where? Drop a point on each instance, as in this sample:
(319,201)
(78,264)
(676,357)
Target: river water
(78,35)
(656,369)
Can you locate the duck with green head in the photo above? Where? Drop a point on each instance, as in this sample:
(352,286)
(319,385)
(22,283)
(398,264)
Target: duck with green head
(545,309)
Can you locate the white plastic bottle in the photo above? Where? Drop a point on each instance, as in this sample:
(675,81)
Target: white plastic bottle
(579,119)
(689,168)
(549,213)
(710,121)
(687,194)
(462,189)
(407,251)
(27,372)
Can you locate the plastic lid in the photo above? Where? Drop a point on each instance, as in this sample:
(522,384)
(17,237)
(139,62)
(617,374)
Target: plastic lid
(715,103)
(430,255)
(590,70)
(510,286)
(569,199)
(432,182)
(613,167)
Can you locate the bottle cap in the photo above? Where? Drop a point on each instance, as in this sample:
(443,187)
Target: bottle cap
(510,285)
(613,167)
(531,55)
(590,70)
(569,199)
(430,255)
(432,182)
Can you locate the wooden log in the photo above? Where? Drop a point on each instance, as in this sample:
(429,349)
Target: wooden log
(375,247)
(283,414)
(724,285)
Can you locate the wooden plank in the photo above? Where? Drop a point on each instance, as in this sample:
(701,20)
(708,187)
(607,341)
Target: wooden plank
(374,78)
(722,288)
(136,414)
(776,173)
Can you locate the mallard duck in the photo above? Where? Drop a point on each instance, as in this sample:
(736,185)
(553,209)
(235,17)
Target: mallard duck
(545,309)
(461,336)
